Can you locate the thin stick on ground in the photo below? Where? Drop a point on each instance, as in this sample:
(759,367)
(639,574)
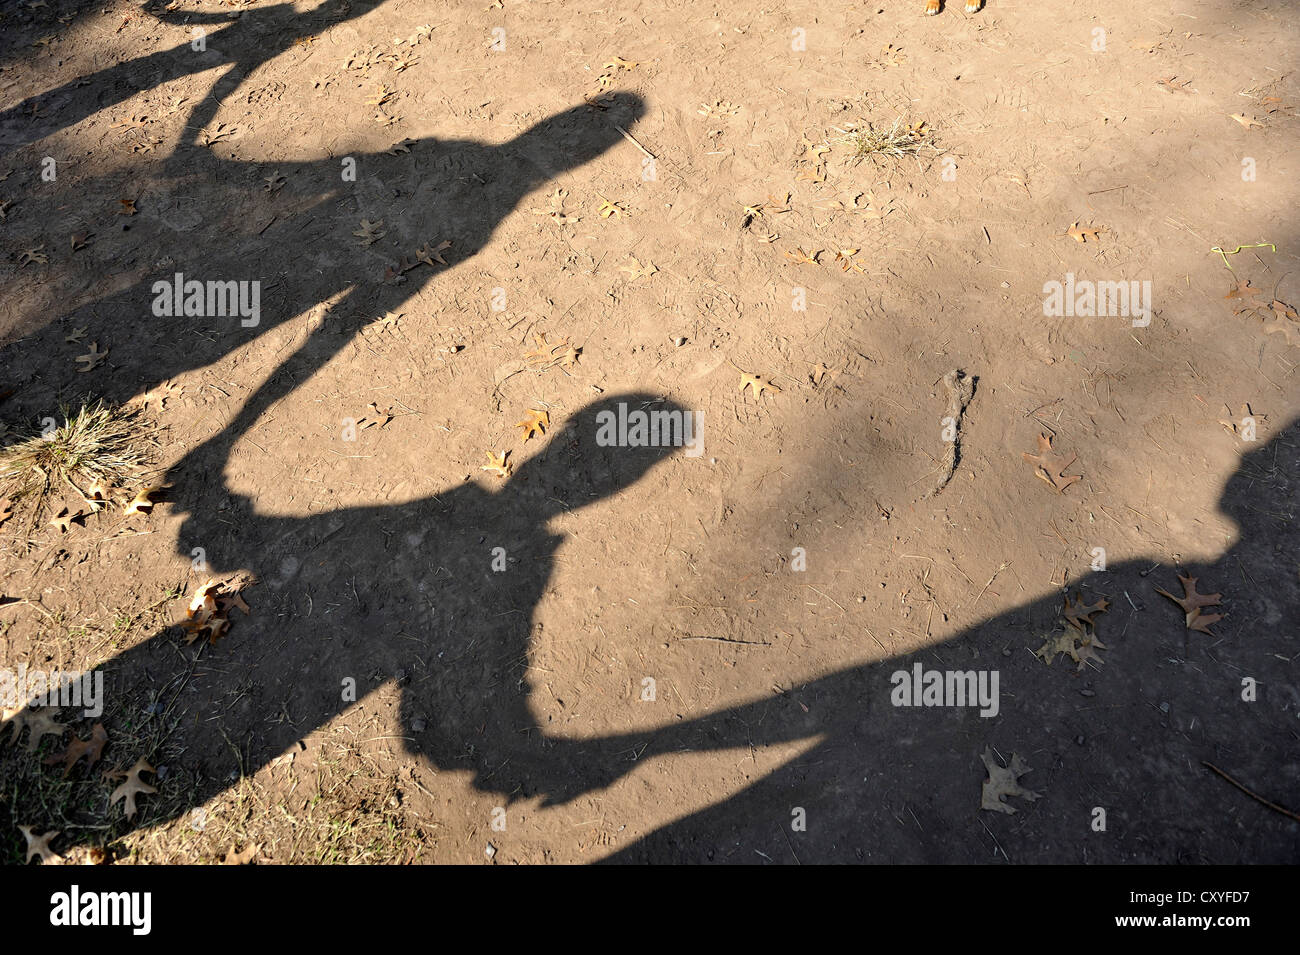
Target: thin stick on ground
(1255,796)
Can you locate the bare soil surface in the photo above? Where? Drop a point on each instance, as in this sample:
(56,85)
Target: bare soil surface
(629,654)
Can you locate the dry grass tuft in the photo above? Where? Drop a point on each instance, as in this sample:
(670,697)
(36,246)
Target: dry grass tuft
(897,141)
(99,446)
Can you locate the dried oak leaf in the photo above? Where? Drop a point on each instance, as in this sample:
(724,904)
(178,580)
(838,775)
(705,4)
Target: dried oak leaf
(63,520)
(546,355)
(1283,319)
(845,258)
(134,786)
(1003,782)
(39,723)
(1249,297)
(1081,235)
(757,385)
(1084,652)
(370,232)
(812,151)
(128,207)
(498,464)
(1080,614)
(802,257)
(1192,604)
(1056,644)
(209,609)
(249,852)
(140,504)
(210,138)
(40,846)
(636,270)
(535,422)
(611,209)
(91,748)
(556,210)
(429,253)
(1051,467)
(93,358)
(28,256)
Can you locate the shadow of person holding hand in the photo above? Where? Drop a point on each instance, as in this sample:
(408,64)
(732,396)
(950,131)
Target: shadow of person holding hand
(441,190)
(437,595)
(246,40)
(879,782)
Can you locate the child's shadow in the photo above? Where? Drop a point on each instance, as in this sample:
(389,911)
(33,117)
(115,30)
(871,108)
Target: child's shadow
(457,191)
(437,595)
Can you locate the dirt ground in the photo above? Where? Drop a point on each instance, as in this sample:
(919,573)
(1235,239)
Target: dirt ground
(686,658)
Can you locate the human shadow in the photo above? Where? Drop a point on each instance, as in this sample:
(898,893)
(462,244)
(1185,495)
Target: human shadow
(454,191)
(878,782)
(246,40)
(436,595)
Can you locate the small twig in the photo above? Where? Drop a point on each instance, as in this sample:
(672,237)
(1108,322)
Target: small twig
(750,643)
(628,137)
(1001,567)
(827,596)
(1255,796)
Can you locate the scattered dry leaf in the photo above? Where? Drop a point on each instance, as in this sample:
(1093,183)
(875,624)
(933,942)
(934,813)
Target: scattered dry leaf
(370,232)
(1003,782)
(28,256)
(498,464)
(93,358)
(91,749)
(535,422)
(1193,603)
(140,504)
(132,787)
(611,209)
(40,846)
(757,385)
(1050,467)
(1082,234)
(244,857)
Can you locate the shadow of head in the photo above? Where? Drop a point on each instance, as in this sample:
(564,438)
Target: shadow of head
(1262,490)
(574,136)
(602,449)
